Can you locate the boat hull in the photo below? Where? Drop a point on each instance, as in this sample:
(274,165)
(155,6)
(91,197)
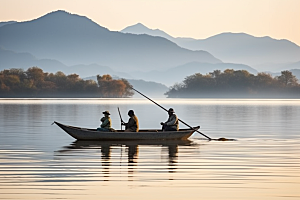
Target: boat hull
(92,134)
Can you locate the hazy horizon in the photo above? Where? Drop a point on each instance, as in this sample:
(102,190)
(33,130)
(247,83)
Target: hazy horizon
(195,19)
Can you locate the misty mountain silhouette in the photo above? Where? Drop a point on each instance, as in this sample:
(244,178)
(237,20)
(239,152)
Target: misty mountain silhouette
(295,65)
(233,47)
(5,23)
(73,39)
(10,59)
(177,74)
(150,88)
(139,28)
(275,67)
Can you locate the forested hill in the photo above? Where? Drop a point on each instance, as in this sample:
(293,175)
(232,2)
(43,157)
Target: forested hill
(236,84)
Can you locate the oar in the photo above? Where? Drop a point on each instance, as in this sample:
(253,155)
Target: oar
(120,117)
(167,111)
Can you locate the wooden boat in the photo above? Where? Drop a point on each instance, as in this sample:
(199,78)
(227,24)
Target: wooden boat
(92,134)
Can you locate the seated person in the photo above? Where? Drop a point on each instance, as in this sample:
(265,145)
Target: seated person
(106,122)
(133,123)
(172,123)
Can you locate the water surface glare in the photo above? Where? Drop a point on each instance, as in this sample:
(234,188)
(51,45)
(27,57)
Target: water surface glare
(40,161)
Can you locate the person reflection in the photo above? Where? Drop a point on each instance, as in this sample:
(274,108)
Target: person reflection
(132,159)
(172,152)
(105,157)
(132,153)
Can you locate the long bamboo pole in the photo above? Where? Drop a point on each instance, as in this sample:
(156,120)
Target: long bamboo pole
(167,111)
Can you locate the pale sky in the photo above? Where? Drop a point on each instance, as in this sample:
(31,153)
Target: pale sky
(279,19)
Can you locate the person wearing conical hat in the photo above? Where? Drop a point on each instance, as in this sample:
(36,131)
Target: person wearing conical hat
(172,123)
(105,122)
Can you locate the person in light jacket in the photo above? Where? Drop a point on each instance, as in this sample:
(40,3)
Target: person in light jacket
(133,123)
(106,122)
(172,123)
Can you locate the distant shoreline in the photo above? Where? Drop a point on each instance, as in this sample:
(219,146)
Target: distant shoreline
(239,97)
(189,97)
(59,97)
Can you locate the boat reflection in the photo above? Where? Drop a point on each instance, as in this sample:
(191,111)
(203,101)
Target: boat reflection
(131,148)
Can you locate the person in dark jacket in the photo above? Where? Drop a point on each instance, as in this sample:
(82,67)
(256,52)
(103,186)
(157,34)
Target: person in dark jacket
(133,123)
(172,123)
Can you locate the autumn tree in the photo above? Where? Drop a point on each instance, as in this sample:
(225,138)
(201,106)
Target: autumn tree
(113,88)
(35,82)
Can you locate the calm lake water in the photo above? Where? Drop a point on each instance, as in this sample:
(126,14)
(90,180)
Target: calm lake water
(40,161)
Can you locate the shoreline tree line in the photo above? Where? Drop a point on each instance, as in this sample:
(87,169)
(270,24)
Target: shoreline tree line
(34,82)
(236,84)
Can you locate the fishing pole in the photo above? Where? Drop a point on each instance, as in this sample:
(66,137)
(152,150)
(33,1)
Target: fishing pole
(120,117)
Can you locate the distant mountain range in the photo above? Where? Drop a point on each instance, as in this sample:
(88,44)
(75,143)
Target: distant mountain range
(178,73)
(234,47)
(277,67)
(10,59)
(60,41)
(73,39)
